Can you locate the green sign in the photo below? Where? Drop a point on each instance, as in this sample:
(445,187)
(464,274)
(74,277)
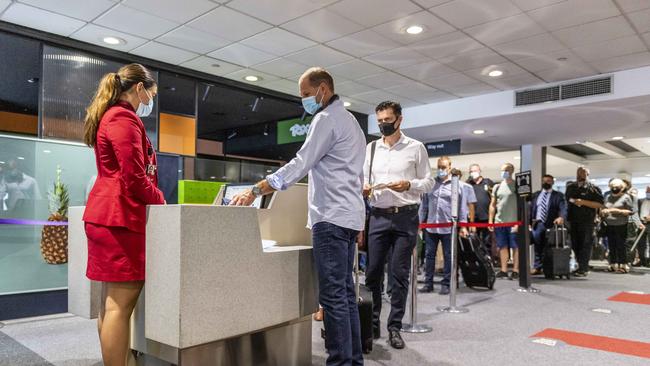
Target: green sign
(293,130)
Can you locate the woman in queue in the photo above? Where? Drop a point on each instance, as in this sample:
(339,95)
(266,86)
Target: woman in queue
(618,207)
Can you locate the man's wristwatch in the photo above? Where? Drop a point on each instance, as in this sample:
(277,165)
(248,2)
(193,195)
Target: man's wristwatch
(256,191)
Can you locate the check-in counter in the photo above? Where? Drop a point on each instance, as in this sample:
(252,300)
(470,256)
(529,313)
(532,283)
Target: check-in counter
(228,285)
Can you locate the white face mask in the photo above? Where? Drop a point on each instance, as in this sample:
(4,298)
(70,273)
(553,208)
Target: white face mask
(144,110)
(474,175)
(505,174)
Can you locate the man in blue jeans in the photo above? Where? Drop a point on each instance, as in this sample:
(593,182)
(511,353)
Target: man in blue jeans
(436,208)
(333,154)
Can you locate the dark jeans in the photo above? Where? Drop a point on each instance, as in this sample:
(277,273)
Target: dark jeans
(616,239)
(396,233)
(582,241)
(334,256)
(431,241)
(644,248)
(539,239)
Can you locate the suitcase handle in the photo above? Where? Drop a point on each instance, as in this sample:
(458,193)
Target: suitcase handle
(557,238)
(355,268)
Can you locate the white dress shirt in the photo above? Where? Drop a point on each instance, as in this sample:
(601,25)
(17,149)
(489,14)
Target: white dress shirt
(333,154)
(406,160)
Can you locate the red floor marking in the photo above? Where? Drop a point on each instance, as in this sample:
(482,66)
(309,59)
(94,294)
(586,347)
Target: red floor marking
(616,345)
(643,299)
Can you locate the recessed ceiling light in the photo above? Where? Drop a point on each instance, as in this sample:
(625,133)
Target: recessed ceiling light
(517,157)
(347,104)
(478,132)
(20,158)
(47,151)
(252,78)
(495,73)
(616,138)
(414,29)
(113,41)
(647,175)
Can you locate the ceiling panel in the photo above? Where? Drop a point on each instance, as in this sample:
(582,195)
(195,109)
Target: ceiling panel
(466,13)
(79,9)
(594,32)
(414,91)
(164,53)
(95,34)
(351,88)
(384,80)
(473,59)
(633,5)
(397,58)
(319,56)
(377,96)
(318,26)
(242,55)
(281,67)
(527,5)
(505,30)
(278,42)
(211,65)
(176,11)
(354,69)
(622,62)
(278,11)
(136,22)
(450,81)
(373,12)
(573,12)
(446,45)
(286,86)
(4,4)
(549,60)
(41,19)
(508,68)
(430,3)
(229,24)
(514,81)
(396,29)
(641,20)
(241,74)
(472,90)
(426,70)
(613,48)
(566,72)
(193,40)
(363,43)
(527,47)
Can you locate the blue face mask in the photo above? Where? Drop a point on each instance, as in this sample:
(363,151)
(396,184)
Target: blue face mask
(442,173)
(144,110)
(311,105)
(505,174)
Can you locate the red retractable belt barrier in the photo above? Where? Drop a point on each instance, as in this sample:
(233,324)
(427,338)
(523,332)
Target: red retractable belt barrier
(469,224)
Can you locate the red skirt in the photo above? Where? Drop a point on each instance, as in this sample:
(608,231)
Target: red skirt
(115,254)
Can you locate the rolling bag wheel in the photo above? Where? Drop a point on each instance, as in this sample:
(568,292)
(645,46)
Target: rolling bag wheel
(367,346)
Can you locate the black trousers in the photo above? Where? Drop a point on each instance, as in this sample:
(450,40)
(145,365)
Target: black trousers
(617,242)
(396,232)
(582,241)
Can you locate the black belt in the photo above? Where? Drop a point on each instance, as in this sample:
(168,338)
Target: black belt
(395,210)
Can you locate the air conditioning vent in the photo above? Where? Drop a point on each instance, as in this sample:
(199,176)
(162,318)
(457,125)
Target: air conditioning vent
(564,91)
(586,88)
(536,96)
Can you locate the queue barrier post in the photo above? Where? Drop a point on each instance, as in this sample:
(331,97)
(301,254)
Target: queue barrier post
(413,326)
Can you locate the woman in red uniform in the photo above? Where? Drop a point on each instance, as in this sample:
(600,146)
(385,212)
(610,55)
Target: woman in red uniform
(115,215)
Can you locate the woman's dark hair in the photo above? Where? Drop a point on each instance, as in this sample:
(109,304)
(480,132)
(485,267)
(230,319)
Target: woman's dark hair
(111,87)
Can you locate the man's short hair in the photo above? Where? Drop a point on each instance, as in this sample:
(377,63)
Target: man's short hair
(445,158)
(509,167)
(318,75)
(474,165)
(548,176)
(395,106)
(456,172)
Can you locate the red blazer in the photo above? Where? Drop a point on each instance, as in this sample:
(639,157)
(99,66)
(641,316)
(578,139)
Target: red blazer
(126,172)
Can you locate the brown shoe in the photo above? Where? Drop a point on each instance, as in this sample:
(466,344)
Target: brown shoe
(318,316)
(536,271)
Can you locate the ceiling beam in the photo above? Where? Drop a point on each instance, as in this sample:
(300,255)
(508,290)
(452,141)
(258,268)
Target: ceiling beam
(606,148)
(643,145)
(550,150)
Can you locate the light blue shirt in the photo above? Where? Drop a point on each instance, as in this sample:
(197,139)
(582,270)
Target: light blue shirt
(333,155)
(436,206)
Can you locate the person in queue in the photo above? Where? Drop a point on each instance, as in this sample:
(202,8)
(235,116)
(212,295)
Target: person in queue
(115,215)
(548,208)
(634,225)
(402,165)
(468,193)
(618,207)
(436,208)
(333,155)
(644,215)
(585,199)
(482,191)
(503,208)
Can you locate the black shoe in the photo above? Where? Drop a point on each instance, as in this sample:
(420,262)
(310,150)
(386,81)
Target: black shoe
(580,274)
(395,339)
(376,333)
(515,276)
(444,290)
(502,274)
(425,289)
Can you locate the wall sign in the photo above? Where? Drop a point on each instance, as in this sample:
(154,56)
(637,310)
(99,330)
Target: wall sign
(442,148)
(293,130)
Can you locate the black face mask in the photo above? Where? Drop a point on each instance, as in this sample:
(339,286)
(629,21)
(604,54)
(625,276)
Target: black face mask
(387,128)
(547,186)
(616,190)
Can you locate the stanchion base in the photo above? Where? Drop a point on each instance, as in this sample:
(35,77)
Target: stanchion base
(530,290)
(452,309)
(417,328)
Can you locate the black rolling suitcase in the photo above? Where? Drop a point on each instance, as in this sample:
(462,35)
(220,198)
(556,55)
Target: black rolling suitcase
(475,264)
(364,302)
(557,253)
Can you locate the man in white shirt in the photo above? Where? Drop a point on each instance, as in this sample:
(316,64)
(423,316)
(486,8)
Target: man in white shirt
(644,214)
(333,155)
(398,174)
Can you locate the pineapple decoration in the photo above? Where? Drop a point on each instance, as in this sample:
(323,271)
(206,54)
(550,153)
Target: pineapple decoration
(54,239)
